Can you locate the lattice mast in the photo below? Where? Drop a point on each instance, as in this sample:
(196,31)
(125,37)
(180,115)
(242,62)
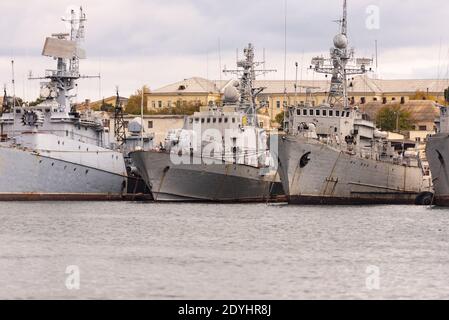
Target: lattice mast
(66,49)
(119,122)
(247,72)
(341,64)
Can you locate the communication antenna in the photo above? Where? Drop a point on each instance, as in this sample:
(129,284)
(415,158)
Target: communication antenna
(13,81)
(285,53)
(219,58)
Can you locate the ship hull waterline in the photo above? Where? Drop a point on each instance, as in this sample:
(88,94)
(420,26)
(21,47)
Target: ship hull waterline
(28,176)
(316,174)
(222,183)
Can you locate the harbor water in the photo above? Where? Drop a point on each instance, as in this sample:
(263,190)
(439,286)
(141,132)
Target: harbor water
(126,250)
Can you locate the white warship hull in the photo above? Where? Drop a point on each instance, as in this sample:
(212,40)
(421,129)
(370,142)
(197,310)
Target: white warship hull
(201,182)
(437,151)
(27,174)
(334,177)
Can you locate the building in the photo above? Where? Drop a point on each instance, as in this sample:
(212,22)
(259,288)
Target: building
(196,91)
(363,90)
(424,113)
(96,105)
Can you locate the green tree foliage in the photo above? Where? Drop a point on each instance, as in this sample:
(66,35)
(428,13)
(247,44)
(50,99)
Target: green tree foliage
(391,117)
(280,119)
(181,108)
(135,100)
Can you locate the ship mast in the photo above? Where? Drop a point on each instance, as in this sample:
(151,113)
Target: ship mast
(248,73)
(66,49)
(119,122)
(340,65)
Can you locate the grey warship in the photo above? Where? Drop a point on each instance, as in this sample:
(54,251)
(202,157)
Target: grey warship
(333,154)
(50,151)
(437,151)
(220,155)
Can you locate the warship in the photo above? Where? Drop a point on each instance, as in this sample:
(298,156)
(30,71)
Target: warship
(437,151)
(333,154)
(50,151)
(220,155)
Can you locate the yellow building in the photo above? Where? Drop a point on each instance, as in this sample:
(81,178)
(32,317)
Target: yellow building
(197,91)
(362,90)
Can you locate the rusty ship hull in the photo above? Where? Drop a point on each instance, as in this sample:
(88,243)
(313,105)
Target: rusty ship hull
(317,174)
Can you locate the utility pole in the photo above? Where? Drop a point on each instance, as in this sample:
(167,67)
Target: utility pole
(296,84)
(141,117)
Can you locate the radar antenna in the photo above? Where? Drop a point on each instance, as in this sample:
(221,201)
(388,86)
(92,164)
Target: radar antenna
(341,64)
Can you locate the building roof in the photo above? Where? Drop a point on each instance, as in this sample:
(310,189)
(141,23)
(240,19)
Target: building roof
(192,85)
(360,84)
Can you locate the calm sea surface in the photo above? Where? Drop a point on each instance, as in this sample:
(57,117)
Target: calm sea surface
(191,251)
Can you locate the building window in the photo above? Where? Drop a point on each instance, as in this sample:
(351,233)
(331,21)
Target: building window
(384,100)
(422,128)
(317,112)
(374,99)
(310,112)
(150,124)
(324,113)
(169,104)
(347,114)
(337,113)
(153,104)
(226,120)
(261,125)
(362,100)
(331,113)
(159,104)
(220,120)
(278,104)
(233,120)
(215,120)
(402,100)
(202,120)
(298,112)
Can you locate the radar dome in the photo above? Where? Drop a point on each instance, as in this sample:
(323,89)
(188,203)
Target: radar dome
(135,126)
(340,41)
(231,95)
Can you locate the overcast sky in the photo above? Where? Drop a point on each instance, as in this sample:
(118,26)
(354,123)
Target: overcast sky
(156,42)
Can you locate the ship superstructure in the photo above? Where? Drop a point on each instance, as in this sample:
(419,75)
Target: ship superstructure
(50,151)
(221,154)
(333,154)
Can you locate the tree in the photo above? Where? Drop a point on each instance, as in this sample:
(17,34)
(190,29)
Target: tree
(135,100)
(181,108)
(421,95)
(280,119)
(394,118)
